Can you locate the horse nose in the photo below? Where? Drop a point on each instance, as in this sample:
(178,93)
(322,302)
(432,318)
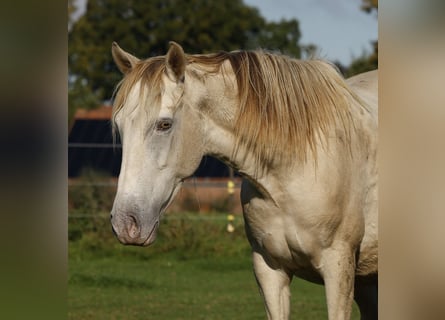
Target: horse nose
(133,227)
(126,227)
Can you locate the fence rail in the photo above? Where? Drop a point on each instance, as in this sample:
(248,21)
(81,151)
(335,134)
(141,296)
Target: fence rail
(190,183)
(198,194)
(203,217)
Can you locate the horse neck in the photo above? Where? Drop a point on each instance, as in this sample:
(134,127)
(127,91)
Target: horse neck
(220,143)
(219,110)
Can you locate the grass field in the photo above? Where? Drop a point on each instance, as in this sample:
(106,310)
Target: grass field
(195,270)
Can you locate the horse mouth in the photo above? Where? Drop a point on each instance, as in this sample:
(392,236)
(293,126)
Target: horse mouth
(171,197)
(152,235)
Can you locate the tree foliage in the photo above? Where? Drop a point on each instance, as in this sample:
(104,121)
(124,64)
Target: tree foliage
(365,62)
(80,95)
(144,28)
(279,36)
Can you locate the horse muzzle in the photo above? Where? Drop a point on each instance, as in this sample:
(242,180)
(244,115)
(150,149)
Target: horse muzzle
(129,229)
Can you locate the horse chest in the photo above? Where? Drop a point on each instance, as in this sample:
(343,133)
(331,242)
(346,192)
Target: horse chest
(279,237)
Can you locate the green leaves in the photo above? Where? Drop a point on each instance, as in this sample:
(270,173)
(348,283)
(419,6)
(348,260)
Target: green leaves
(144,28)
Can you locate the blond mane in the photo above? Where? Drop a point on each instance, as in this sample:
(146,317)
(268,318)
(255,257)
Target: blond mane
(286,106)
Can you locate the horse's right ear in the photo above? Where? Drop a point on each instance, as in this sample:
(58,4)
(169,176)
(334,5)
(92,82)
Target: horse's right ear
(124,61)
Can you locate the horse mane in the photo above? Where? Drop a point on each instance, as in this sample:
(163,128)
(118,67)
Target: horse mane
(286,106)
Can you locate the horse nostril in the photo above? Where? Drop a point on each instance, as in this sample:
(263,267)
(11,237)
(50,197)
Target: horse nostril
(133,228)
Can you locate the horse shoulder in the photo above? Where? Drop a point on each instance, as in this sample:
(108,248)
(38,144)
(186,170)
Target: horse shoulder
(306,217)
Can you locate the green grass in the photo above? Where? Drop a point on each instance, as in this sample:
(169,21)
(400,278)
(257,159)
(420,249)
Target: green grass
(195,270)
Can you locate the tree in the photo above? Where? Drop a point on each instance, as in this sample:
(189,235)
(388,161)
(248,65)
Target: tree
(280,36)
(80,95)
(371,6)
(362,64)
(366,62)
(144,28)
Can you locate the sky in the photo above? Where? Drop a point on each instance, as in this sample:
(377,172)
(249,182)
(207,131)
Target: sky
(340,29)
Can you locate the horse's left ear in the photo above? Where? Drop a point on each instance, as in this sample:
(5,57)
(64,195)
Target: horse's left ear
(175,62)
(124,61)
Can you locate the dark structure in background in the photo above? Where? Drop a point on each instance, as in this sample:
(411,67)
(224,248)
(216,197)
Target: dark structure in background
(90,145)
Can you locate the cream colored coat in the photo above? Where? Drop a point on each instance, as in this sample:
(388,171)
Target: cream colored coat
(314,218)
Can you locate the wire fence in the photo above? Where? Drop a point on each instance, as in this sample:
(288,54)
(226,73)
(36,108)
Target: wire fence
(92,199)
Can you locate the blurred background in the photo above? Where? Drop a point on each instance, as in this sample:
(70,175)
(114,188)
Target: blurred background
(199,267)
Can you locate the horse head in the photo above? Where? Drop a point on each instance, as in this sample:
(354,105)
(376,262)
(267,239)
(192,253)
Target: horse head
(162,141)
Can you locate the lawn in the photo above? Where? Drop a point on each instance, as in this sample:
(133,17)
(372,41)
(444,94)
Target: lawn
(195,270)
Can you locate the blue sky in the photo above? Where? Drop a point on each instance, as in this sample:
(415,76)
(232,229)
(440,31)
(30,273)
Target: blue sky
(339,29)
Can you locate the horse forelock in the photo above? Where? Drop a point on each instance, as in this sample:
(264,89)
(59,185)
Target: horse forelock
(146,74)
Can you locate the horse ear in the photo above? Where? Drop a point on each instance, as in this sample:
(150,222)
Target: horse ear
(124,61)
(176,62)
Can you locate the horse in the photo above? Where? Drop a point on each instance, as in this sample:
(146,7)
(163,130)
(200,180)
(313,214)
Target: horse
(303,138)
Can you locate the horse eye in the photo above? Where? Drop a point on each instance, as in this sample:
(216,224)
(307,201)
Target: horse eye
(164,124)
